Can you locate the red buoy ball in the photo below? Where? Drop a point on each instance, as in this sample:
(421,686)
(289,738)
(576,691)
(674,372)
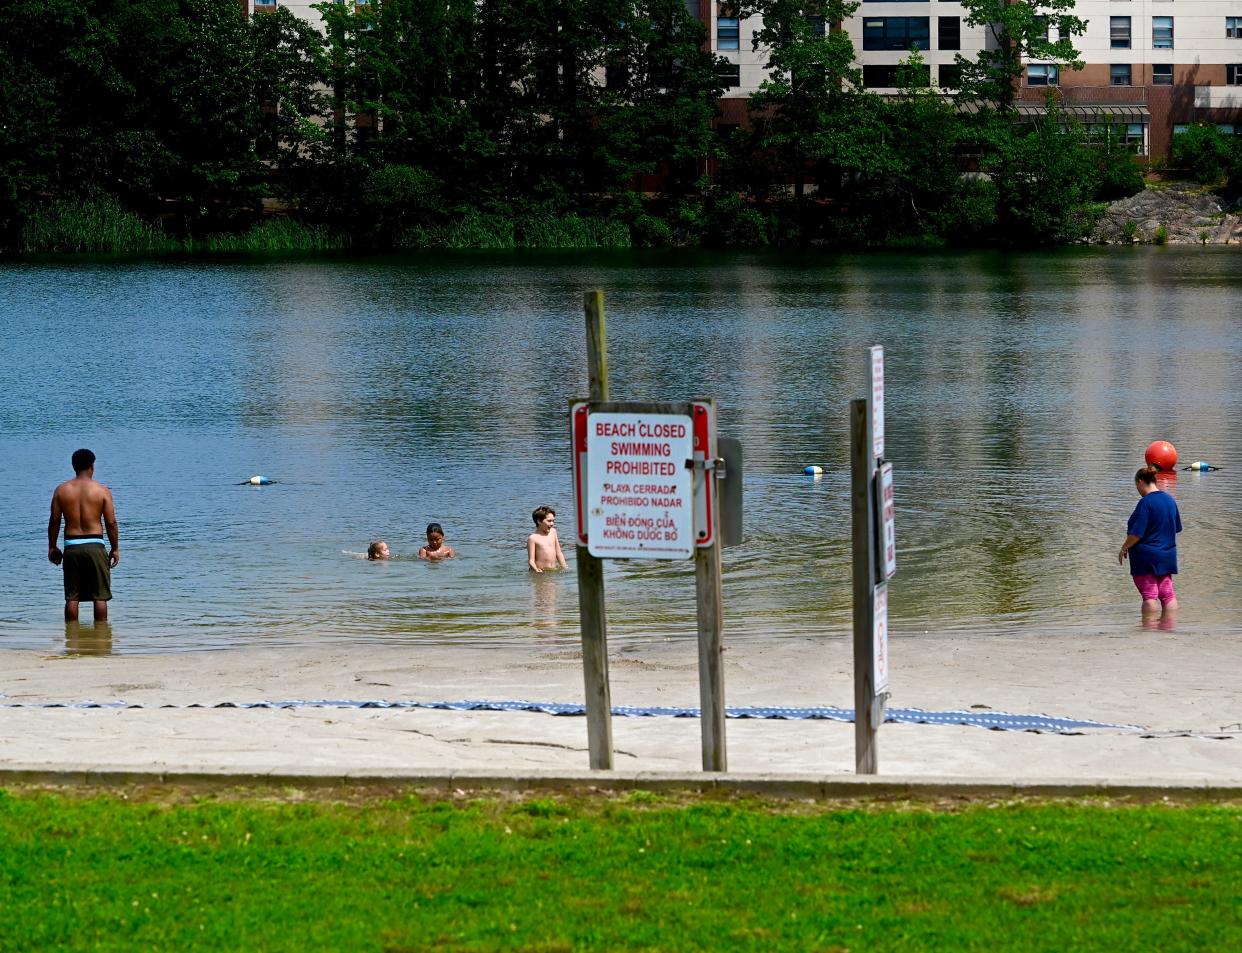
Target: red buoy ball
(1162,454)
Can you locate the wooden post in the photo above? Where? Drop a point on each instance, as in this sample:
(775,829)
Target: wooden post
(710,599)
(862,507)
(591,610)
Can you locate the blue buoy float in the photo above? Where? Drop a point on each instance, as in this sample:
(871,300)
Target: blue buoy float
(257,480)
(813,470)
(1201,465)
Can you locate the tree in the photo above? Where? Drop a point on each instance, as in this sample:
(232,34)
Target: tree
(811,112)
(1045,174)
(918,175)
(660,94)
(1020,30)
(291,69)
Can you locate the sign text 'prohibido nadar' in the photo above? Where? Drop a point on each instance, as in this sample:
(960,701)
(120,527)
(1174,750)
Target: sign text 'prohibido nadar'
(639,493)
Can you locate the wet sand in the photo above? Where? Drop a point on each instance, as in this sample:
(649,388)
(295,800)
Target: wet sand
(1180,687)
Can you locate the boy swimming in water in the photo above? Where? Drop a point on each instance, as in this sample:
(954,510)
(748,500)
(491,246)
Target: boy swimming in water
(436,548)
(378,550)
(543,546)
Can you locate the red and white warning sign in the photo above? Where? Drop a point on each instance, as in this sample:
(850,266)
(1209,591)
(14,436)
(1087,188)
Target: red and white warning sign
(639,491)
(643,482)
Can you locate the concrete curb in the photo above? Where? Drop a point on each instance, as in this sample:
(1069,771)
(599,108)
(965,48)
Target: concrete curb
(803,786)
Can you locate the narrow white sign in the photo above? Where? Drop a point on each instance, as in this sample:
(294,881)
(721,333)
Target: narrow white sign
(888,535)
(875,395)
(879,641)
(639,493)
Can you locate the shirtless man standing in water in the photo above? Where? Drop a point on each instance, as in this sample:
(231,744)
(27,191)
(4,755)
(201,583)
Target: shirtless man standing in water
(84,504)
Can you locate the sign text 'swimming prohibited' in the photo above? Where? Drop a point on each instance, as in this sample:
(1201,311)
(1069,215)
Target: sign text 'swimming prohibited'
(639,492)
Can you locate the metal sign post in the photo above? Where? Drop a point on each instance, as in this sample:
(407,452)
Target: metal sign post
(875,562)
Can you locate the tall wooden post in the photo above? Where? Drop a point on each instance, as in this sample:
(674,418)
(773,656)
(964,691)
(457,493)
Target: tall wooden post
(862,512)
(710,598)
(591,611)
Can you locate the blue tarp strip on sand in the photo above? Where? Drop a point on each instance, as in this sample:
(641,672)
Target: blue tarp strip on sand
(995,720)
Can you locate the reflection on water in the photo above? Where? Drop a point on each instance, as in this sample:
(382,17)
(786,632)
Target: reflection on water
(82,639)
(384,394)
(545,598)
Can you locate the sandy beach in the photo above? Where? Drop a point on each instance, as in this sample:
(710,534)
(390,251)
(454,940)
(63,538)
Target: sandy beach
(1179,688)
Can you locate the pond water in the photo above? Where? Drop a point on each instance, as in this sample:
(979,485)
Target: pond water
(382,394)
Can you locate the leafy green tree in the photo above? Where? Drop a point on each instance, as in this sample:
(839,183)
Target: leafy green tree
(290,73)
(1206,153)
(1018,31)
(1045,175)
(918,175)
(659,99)
(811,113)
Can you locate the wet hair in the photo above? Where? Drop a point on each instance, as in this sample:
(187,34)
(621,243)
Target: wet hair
(373,551)
(82,460)
(1146,474)
(435,528)
(541,512)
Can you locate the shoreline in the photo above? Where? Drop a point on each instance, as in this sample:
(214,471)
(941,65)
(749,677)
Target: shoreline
(1172,685)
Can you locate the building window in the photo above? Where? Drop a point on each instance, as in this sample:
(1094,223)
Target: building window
(1233,28)
(1119,74)
(1132,136)
(897,33)
(616,76)
(880,77)
(730,75)
(1162,74)
(1162,33)
(1180,127)
(1225,128)
(1042,76)
(266,6)
(1233,74)
(1119,33)
(728,33)
(817,26)
(891,76)
(950,76)
(949,33)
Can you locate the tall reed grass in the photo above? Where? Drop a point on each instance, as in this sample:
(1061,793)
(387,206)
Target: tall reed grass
(102,225)
(494,232)
(90,225)
(275,235)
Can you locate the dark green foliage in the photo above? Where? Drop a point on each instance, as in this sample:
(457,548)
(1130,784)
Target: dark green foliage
(1207,154)
(1045,176)
(153,124)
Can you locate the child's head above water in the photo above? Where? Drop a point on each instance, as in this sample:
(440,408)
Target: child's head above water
(435,535)
(378,550)
(542,513)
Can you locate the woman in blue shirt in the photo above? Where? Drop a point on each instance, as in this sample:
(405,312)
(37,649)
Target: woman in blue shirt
(1151,544)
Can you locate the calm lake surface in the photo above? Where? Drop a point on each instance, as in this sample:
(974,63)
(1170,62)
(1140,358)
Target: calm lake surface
(383,394)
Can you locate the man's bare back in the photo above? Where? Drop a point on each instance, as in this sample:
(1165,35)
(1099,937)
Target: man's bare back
(87,510)
(86,507)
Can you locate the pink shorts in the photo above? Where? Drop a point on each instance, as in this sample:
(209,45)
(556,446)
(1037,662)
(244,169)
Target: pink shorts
(1155,587)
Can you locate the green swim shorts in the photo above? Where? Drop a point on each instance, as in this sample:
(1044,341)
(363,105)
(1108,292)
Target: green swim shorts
(88,577)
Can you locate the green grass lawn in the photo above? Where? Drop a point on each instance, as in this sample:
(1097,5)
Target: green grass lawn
(166,871)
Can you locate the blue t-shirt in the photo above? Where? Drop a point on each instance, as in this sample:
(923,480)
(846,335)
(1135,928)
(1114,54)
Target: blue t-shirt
(1156,522)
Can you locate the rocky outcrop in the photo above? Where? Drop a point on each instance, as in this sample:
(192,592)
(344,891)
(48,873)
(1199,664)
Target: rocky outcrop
(1189,215)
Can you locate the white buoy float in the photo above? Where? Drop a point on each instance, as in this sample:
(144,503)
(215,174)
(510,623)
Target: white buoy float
(1201,465)
(257,480)
(813,470)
